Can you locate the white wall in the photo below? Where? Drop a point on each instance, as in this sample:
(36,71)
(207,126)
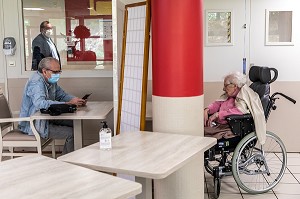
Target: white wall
(2,72)
(11,28)
(284,58)
(220,60)
(250,42)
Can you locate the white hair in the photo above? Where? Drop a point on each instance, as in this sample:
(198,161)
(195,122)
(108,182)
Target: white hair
(236,78)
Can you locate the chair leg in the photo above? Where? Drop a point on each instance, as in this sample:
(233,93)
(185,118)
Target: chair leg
(39,149)
(53,149)
(11,150)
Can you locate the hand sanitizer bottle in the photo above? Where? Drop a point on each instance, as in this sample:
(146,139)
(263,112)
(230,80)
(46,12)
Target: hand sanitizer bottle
(105,135)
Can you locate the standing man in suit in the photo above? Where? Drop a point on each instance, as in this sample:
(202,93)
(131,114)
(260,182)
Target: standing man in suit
(43,46)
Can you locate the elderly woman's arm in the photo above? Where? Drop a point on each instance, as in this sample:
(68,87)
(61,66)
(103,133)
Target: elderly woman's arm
(206,112)
(239,108)
(211,109)
(214,107)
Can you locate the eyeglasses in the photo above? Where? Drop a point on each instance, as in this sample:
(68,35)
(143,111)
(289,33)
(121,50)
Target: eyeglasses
(54,72)
(226,85)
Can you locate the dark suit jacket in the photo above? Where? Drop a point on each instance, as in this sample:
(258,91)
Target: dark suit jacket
(40,49)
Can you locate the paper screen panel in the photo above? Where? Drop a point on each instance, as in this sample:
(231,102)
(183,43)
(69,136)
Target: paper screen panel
(133,69)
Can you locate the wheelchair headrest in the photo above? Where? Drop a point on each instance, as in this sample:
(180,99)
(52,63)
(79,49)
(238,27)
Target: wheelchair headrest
(262,74)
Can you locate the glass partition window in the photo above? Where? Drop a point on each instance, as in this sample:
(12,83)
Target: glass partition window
(82,31)
(279,27)
(219,27)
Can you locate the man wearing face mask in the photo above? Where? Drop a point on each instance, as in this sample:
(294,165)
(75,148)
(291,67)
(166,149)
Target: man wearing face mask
(42,90)
(43,46)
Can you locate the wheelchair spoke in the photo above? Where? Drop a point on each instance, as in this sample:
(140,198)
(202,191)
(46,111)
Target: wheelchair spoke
(257,168)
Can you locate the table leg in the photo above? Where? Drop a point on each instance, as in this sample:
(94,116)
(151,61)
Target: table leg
(146,188)
(77,134)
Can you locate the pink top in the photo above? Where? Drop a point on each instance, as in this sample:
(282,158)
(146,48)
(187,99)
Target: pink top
(225,108)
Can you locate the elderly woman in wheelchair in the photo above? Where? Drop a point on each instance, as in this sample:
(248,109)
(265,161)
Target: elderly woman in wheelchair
(216,125)
(255,157)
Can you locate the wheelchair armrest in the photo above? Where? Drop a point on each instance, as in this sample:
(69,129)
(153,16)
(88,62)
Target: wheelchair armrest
(238,117)
(241,124)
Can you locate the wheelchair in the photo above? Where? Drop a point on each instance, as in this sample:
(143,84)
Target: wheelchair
(256,168)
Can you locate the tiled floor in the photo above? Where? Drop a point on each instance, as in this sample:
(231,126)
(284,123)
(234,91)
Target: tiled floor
(288,187)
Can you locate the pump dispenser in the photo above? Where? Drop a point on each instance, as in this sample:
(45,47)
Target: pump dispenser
(105,135)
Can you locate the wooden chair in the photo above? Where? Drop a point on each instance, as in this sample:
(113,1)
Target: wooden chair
(12,137)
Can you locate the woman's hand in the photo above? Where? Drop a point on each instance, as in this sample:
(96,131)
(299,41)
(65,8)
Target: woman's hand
(212,118)
(77,101)
(206,112)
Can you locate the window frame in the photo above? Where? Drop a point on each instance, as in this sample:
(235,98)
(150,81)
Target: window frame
(267,24)
(98,71)
(207,42)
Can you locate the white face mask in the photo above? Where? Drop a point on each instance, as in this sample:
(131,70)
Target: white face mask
(48,33)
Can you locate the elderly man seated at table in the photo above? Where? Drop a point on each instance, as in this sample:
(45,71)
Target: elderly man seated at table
(42,90)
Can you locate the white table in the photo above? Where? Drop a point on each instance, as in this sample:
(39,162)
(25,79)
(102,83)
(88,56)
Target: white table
(148,155)
(92,110)
(36,176)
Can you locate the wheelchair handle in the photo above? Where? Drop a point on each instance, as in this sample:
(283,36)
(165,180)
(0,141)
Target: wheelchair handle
(285,96)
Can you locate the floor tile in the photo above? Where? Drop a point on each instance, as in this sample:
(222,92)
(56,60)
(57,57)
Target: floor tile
(287,196)
(287,171)
(228,179)
(259,196)
(269,192)
(289,179)
(282,188)
(293,161)
(228,196)
(294,169)
(228,188)
(297,176)
(293,155)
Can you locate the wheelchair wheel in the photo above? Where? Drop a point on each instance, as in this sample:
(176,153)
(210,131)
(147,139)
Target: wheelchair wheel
(258,168)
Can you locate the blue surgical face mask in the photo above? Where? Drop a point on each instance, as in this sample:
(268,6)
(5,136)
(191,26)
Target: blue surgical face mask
(54,78)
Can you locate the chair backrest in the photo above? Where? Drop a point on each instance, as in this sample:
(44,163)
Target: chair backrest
(4,111)
(262,78)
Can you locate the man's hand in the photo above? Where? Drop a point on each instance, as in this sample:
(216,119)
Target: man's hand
(77,101)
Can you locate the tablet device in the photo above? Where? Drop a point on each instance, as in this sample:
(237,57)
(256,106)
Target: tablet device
(86,96)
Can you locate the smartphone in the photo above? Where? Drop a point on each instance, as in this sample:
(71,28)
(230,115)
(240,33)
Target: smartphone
(86,96)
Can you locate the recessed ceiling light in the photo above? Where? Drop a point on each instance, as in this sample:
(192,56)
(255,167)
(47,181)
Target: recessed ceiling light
(33,9)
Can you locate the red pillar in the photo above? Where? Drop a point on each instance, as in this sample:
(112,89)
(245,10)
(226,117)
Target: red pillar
(177,101)
(177,48)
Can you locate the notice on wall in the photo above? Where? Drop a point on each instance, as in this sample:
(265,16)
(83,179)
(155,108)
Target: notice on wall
(107,30)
